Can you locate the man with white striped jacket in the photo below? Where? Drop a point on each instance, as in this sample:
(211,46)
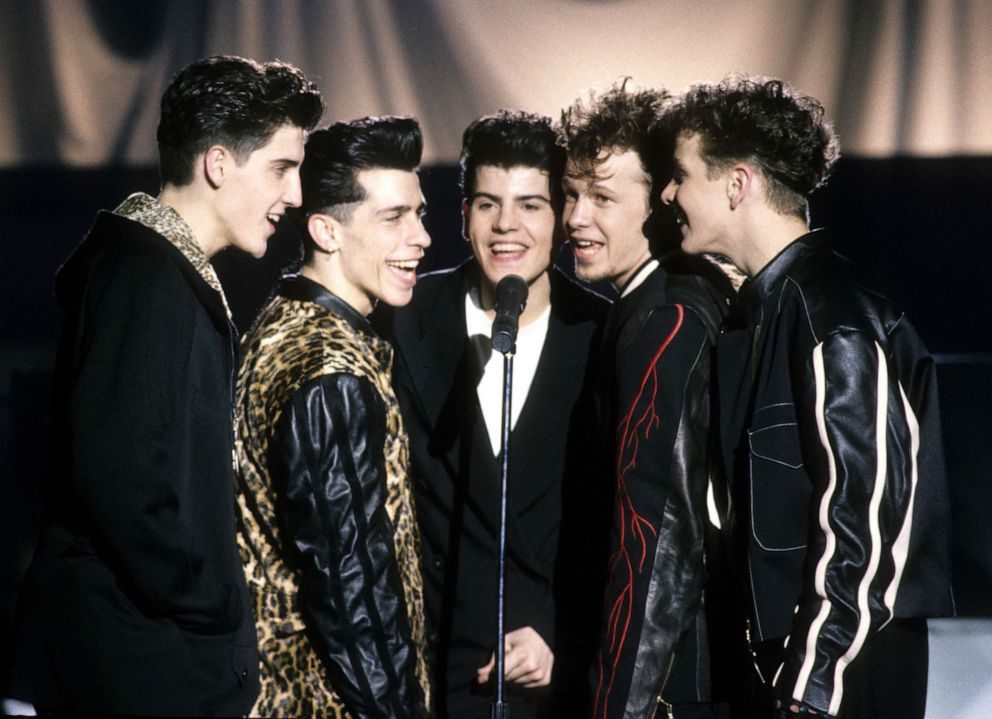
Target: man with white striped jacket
(828,419)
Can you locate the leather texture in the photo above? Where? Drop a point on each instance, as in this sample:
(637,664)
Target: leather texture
(831,426)
(655,394)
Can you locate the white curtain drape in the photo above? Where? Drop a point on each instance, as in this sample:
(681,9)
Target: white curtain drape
(80,80)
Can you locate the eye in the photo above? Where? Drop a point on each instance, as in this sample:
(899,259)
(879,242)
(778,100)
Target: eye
(602,199)
(531,206)
(393,218)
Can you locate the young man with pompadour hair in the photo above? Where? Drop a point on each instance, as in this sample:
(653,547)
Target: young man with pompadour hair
(327,528)
(449,384)
(135,602)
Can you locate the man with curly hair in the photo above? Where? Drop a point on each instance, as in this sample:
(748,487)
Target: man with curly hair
(654,394)
(828,417)
(135,602)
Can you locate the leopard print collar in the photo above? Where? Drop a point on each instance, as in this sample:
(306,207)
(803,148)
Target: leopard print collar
(163,219)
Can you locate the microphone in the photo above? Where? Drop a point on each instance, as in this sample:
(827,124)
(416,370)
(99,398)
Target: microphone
(511,298)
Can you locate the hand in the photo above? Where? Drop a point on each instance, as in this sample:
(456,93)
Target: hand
(527,662)
(798,710)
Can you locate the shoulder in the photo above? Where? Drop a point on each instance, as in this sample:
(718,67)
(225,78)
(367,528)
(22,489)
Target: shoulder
(830,296)
(302,338)
(439,284)
(123,255)
(575,303)
(701,288)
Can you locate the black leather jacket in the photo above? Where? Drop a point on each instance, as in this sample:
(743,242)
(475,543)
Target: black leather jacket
(329,518)
(657,345)
(830,422)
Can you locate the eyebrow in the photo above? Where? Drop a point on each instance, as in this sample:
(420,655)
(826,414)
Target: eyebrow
(515,198)
(422,207)
(285,162)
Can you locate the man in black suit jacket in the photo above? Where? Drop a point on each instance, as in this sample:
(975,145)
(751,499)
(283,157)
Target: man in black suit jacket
(135,602)
(448,383)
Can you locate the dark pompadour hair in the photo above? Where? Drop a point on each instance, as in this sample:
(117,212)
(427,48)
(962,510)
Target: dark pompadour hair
(616,121)
(335,155)
(765,122)
(230,101)
(512,139)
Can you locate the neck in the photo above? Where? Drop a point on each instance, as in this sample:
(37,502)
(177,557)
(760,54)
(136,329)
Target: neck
(538,298)
(187,203)
(768,240)
(321,270)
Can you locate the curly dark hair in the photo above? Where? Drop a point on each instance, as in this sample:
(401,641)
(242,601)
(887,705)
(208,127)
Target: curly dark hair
(617,120)
(335,155)
(512,138)
(230,101)
(765,122)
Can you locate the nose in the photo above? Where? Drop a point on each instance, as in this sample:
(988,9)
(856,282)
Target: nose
(293,195)
(576,213)
(668,194)
(420,237)
(506,219)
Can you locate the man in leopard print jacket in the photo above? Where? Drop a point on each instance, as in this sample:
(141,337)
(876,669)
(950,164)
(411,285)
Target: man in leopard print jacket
(327,528)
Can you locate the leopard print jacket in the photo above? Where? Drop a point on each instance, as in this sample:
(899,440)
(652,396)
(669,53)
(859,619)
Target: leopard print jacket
(293,342)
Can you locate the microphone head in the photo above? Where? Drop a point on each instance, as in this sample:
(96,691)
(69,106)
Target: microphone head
(511,290)
(511,297)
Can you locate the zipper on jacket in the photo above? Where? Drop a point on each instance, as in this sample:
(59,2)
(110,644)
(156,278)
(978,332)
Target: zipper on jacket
(750,648)
(658,700)
(233,356)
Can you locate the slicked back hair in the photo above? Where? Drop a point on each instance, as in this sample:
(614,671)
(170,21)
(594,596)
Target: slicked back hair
(233,102)
(765,122)
(512,139)
(335,155)
(616,121)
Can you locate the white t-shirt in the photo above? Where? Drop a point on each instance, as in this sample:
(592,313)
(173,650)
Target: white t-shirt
(530,342)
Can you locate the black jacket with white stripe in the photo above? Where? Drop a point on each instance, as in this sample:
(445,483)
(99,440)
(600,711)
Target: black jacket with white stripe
(831,432)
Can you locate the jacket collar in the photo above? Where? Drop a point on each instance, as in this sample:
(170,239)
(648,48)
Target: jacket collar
(163,219)
(756,291)
(303,289)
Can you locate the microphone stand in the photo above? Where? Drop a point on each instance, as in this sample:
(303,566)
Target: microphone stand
(501,708)
(511,298)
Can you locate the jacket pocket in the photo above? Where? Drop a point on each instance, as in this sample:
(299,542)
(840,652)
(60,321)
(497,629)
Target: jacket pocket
(778,482)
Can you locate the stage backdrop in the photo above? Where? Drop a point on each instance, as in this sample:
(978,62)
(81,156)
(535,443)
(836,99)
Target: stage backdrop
(80,80)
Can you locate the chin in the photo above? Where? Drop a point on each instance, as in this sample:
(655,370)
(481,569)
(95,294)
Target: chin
(589,273)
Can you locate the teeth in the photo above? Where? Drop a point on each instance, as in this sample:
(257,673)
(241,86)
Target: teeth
(584,244)
(404,264)
(273,218)
(508,247)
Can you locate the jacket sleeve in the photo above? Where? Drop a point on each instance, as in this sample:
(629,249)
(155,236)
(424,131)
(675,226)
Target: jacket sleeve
(860,440)
(130,439)
(328,464)
(655,580)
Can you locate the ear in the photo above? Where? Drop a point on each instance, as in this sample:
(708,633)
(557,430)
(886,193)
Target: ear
(740,179)
(216,165)
(325,231)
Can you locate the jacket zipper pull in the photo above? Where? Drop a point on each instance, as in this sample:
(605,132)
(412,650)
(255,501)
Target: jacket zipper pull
(669,710)
(750,648)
